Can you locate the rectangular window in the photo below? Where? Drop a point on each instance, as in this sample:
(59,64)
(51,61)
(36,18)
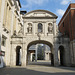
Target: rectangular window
(63,24)
(3,40)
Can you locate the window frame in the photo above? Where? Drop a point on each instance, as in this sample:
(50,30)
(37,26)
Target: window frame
(40,30)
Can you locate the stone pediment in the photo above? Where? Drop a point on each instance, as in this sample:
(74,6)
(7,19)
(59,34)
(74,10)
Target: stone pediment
(40,13)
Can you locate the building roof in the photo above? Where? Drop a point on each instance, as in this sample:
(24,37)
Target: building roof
(43,11)
(72,5)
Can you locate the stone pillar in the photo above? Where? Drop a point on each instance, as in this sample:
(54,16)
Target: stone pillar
(1,24)
(36,28)
(73,52)
(46,29)
(20,57)
(1,19)
(36,54)
(56,62)
(24,55)
(12,19)
(13,55)
(54,27)
(33,28)
(31,57)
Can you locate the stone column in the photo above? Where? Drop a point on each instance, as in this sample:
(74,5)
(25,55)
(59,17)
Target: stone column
(30,56)
(13,55)
(33,28)
(36,54)
(24,55)
(54,27)
(1,19)
(56,62)
(46,29)
(12,19)
(73,52)
(36,30)
(1,24)
(20,56)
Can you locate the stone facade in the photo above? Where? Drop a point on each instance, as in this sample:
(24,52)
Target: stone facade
(19,31)
(32,21)
(10,21)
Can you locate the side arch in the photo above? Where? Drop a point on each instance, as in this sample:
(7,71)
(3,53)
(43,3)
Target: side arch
(18,55)
(61,55)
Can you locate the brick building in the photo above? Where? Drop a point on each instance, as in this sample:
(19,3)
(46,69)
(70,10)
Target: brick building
(67,28)
(67,23)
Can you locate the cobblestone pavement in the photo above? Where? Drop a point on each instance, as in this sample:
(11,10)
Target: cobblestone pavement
(38,69)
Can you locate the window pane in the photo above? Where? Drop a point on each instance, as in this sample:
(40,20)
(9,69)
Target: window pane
(39,27)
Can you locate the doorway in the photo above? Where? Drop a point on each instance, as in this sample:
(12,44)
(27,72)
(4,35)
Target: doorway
(61,55)
(18,56)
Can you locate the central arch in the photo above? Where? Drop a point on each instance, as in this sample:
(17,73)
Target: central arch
(42,42)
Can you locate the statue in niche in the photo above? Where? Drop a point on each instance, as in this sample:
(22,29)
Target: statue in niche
(29,29)
(50,28)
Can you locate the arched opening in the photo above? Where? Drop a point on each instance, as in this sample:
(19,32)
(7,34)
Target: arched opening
(18,56)
(40,53)
(61,55)
(40,28)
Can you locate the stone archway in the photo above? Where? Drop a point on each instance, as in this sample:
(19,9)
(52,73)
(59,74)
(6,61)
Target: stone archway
(61,55)
(42,42)
(44,33)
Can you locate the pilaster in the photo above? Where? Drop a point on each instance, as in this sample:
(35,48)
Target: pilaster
(12,19)
(56,61)
(24,54)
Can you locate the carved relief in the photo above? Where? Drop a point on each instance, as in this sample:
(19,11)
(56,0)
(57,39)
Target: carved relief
(50,28)
(29,29)
(21,30)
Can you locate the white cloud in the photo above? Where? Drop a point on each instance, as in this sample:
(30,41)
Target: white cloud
(30,3)
(65,2)
(60,12)
(38,2)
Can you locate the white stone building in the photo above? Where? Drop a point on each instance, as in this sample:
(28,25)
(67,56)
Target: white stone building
(39,27)
(19,31)
(10,22)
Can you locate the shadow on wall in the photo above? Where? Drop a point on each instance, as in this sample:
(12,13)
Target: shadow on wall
(23,71)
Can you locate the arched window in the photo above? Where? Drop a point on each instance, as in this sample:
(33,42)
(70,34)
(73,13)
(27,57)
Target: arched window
(40,28)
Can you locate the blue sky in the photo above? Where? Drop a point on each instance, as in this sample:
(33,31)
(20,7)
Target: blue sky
(57,7)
